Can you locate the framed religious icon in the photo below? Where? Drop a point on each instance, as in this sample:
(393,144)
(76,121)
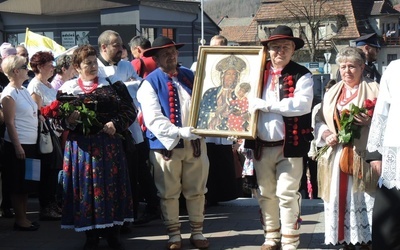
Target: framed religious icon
(227,77)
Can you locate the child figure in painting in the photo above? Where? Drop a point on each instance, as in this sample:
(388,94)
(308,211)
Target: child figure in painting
(238,119)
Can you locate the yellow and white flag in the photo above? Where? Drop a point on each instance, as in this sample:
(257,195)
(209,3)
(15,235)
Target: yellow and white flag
(35,42)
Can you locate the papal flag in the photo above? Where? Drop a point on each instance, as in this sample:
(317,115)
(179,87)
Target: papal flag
(35,42)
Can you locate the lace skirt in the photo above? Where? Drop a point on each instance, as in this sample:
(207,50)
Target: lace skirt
(358,213)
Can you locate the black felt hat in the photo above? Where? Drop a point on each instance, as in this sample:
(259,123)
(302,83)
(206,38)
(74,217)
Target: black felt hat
(369,39)
(284,32)
(161,42)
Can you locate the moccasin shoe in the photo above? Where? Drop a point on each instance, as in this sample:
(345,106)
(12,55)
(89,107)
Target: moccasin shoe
(288,247)
(267,246)
(174,244)
(199,243)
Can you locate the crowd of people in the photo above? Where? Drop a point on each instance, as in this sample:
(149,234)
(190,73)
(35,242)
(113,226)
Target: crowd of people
(126,138)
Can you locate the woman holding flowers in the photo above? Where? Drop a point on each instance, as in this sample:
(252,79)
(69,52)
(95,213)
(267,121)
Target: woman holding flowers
(97,195)
(346,183)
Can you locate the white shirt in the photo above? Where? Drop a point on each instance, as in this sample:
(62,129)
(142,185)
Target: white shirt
(384,135)
(47,94)
(135,127)
(26,117)
(155,121)
(270,124)
(123,71)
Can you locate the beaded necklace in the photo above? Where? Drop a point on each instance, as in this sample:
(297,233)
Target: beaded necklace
(343,100)
(88,89)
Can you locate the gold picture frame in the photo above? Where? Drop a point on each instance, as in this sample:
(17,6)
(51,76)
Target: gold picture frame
(226,78)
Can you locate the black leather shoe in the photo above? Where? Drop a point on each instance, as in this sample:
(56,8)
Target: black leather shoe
(115,243)
(92,240)
(20,228)
(7,213)
(125,228)
(146,218)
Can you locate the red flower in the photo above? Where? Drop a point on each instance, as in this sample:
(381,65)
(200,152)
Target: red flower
(54,113)
(55,105)
(45,111)
(369,106)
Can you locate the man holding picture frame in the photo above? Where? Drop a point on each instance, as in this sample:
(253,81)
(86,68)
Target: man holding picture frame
(178,156)
(284,134)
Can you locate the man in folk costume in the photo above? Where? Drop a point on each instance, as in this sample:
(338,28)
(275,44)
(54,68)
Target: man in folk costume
(178,156)
(284,134)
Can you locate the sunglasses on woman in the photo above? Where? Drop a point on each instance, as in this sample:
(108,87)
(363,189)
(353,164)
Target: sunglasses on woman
(23,67)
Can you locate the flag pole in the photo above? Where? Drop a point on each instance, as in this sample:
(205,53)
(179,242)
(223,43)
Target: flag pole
(26,36)
(202,22)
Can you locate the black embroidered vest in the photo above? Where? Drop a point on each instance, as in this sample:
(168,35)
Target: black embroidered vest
(298,130)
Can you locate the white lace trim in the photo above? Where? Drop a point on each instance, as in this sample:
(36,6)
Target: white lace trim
(100,226)
(358,217)
(376,133)
(390,177)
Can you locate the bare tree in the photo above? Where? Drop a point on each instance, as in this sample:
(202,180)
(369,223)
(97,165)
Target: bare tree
(311,16)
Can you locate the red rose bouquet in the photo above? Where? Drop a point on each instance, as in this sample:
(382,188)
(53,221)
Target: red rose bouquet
(348,129)
(59,110)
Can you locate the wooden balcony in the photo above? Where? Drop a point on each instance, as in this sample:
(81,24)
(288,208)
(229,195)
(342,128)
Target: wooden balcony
(391,40)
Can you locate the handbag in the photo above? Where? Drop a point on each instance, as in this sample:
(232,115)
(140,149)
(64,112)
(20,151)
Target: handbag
(58,152)
(45,142)
(346,159)
(347,154)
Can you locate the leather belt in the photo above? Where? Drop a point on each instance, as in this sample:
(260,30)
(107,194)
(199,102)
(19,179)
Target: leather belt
(270,143)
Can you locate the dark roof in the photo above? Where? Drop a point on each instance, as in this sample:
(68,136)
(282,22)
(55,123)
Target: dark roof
(383,7)
(182,6)
(58,7)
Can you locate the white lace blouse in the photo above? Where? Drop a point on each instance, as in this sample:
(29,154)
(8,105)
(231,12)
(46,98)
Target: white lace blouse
(384,132)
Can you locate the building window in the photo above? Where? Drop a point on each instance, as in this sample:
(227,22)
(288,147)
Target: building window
(322,32)
(391,57)
(168,32)
(149,33)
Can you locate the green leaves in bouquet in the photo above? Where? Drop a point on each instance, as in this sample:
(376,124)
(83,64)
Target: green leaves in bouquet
(349,131)
(87,116)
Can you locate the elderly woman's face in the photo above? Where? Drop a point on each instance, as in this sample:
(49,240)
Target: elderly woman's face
(351,72)
(229,78)
(46,70)
(88,68)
